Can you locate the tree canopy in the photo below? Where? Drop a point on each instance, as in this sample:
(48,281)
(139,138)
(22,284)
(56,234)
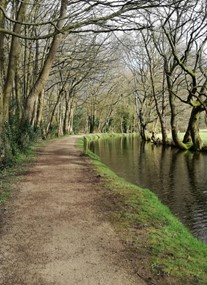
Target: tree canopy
(99,66)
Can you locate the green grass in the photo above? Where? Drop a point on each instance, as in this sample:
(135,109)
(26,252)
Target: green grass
(167,248)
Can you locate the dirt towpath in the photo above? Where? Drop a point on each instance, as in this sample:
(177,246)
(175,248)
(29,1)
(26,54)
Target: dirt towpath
(53,233)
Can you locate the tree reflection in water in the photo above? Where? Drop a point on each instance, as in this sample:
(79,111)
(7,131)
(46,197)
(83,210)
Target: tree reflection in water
(178,178)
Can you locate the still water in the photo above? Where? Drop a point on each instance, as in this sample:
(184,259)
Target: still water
(178,178)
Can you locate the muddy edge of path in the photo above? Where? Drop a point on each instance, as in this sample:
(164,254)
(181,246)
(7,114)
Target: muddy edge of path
(52,230)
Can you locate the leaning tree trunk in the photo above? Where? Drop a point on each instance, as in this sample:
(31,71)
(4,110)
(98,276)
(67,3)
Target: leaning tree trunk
(187,136)
(13,59)
(1,73)
(40,110)
(34,115)
(2,37)
(18,95)
(1,120)
(44,74)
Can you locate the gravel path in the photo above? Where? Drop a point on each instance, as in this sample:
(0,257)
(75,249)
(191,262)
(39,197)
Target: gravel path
(53,232)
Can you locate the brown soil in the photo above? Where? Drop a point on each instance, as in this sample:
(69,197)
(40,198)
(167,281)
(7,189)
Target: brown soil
(53,230)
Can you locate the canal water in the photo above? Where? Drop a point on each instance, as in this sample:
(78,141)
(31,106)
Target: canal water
(178,178)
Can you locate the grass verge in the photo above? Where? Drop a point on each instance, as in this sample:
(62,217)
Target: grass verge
(161,247)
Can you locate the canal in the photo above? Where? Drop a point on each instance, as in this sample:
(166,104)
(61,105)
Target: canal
(178,178)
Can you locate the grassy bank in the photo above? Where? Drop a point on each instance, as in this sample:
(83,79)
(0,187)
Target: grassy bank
(160,246)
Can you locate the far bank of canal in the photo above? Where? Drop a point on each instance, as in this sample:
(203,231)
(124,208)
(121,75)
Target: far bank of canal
(178,178)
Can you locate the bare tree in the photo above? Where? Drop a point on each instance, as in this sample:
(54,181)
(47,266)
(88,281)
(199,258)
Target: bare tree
(187,39)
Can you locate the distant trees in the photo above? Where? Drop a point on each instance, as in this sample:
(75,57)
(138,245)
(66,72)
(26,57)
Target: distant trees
(61,61)
(104,95)
(147,83)
(172,63)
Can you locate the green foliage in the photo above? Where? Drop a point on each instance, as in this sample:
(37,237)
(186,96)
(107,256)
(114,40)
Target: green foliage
(16,141)
(26,135)
(9,143)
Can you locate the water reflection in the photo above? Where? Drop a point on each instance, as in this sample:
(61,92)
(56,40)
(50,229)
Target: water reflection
(178,178)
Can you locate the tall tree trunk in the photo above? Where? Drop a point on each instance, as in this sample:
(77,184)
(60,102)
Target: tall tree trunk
(187,136)
(91,123)
(18,96)
(60,121)
(53,111)
(13,59)
(44,74)
(34,115)
(1,120)
(68,114)
(2,36)
(70,121)
(40,109)
(2,78)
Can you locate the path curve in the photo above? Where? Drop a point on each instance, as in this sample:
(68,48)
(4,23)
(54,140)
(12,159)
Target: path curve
(53,233)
